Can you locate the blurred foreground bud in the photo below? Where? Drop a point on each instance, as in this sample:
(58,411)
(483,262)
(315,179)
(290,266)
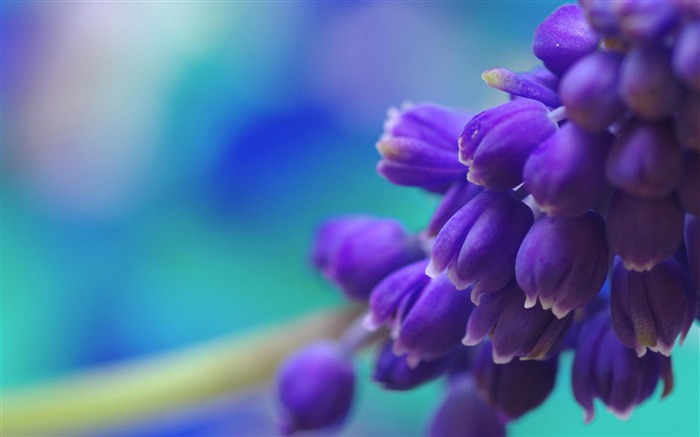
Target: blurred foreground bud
(464,413)
(645,21)
(687,128)
(496,142)
(686,55)
(393,372)
(357,252)
(605,368)
(418,147)
(689,186)
(315,388)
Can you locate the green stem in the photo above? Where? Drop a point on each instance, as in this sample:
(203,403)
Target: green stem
(127,391)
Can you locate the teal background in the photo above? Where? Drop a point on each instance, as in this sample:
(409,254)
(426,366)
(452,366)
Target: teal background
(165,165)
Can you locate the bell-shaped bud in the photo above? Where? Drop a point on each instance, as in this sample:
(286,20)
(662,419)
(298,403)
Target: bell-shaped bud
(643,230)
(686,122)
(515,331)
(393,372)
(563,262)
(426,315)
(645,21)
(521,85)
(645,160)
(605,368)
(601,16)
(356,252)
(689,186)
(651,309)
(563,38)
(479,243)
(418,147)
(458,195)
(496,143)
(692,249)
(589,91)
(315,388)
(686,55)
(464,413)
(565,174)
(647,83)
(516,387)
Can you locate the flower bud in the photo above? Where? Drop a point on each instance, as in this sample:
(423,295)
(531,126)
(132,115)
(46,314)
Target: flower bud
(645,160)
(605,368)
(686,55)
(496,143)
(563,262)
(650,309)
(645,21)
(464,413)
(357,252)
(563,38)
(315,388)
(520,85)
(419,145)
(589,91)
(644,231)
(479,243)
(601,16)
(516,387)
(394,372)
(689,186)
(565,174)
(515,331)
(458,195)
(686,123)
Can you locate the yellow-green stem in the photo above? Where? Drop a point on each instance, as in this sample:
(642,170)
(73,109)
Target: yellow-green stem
(127,391)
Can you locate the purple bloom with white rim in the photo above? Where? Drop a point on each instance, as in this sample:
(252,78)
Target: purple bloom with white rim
(565,174)
(563,38)
(393,372)
(496,143)
(563,262)
(315,388)
(418,147)
(458,195)
(464,413)
(605,368)
(479,243)
(532,380)
(515,331)
(356,252)
(651,309)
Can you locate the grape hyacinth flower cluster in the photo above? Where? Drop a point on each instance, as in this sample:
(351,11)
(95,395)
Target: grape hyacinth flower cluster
(569,223)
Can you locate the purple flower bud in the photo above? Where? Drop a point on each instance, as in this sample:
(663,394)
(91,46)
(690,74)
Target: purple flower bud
(565,174)
(604,368)
(645,160)
(542,76)
(650,309)
(692,249)
(515,331)
(589,91)
(645,21)
(520,85)
(357,252)
(643,230)
(689,186)
(563,262)
(458,195)
(601,16)
(687,126)
(394,372)
(647,83)
(464,413)
(315,387)
(686,55)
(479,243)
(496,143)
(516,387)
(563,38)
(426,316)
(418,147)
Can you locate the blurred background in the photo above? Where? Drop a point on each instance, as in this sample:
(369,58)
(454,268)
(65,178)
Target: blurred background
(165,165)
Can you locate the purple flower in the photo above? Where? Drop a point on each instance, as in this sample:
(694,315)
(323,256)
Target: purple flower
(458,195)
(686,55)
(687,128)
(692,249)
(532,380)
(496,143)
(357,252)
(645,21)
(515,331)
(566,173)
(521,85)
(601,16)
(650,309)
(419,145)
(479,243)
(563,38)
(464,413)
(605,368)
(426,315)
(563,262)
(394,372)
(315,387)
(689,186)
